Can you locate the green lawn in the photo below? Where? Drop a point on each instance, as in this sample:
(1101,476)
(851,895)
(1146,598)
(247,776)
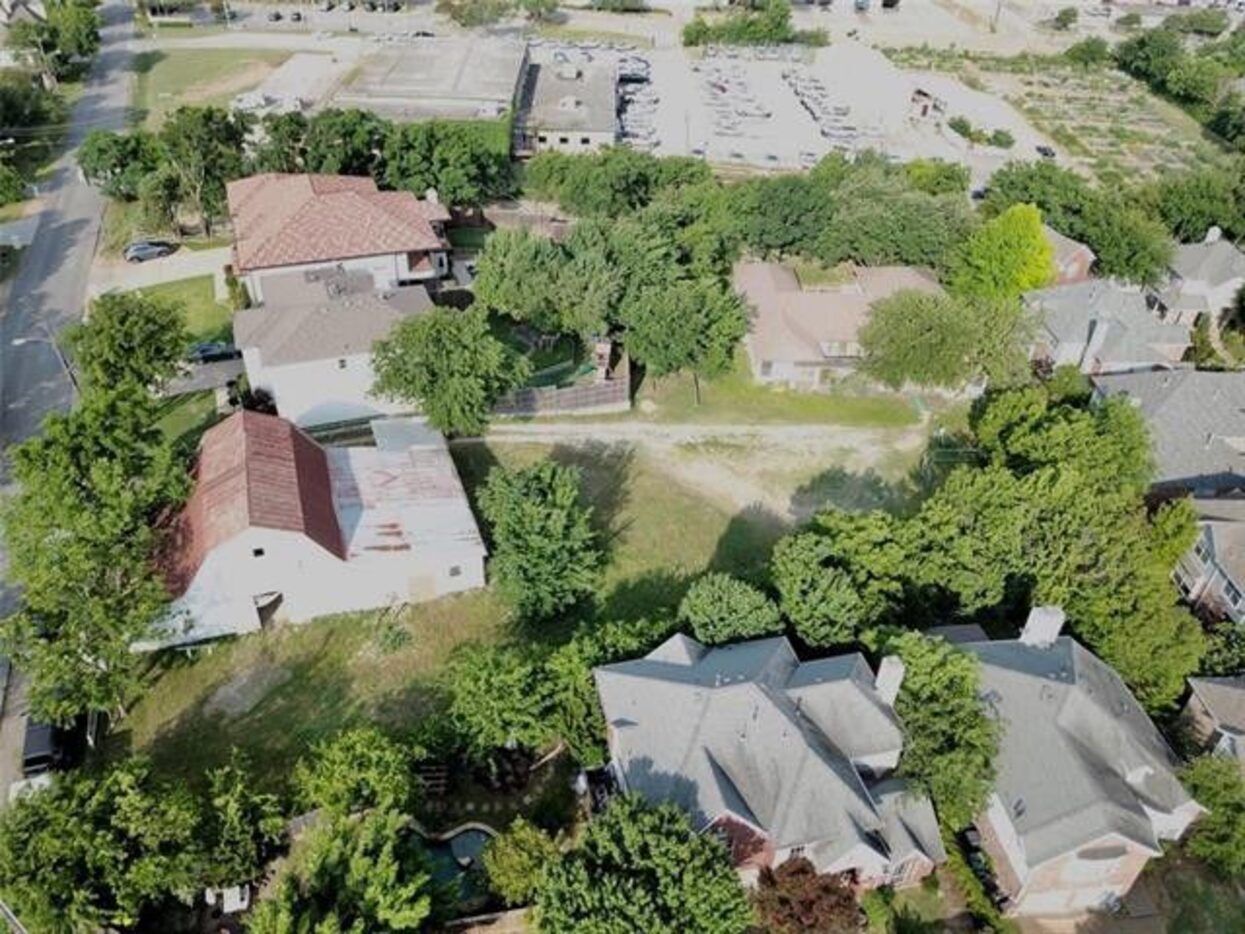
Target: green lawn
(274,693)
(165,80)
(735,398)
(467,238)
(184,418)
(206,318)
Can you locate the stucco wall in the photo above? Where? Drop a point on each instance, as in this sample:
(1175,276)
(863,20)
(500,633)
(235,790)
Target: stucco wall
(321,392)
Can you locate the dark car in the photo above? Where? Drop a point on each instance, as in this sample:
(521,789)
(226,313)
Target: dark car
(1046,152)
(423,34)
(212,352)
(274,16)
(43,749)
(393,6)
(142,250)
(296,17)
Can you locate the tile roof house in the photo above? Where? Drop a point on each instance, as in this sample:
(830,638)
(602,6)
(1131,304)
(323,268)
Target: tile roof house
(801,337)
(278,527)
(1100,326)
(1204,277)
(287,223)
(1073,259)
(1212,574)
(1215,715)
(1086,787)
(310,345)
(784,758)
(1197,425)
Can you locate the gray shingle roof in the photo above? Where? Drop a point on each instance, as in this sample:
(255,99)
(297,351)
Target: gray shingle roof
(322,315)
(1216,262)
(1196,419)
(1224,519)
(1078,757)
(748,730)
(1114,320)
(1225,699)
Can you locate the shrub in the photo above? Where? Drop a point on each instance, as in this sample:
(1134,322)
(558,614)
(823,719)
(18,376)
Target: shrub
(719,609)
(12,185)
(515,860)
(1002,139)
(1066,18)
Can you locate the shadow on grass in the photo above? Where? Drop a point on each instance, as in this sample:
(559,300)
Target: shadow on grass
(650,595)
(746,543)
(605,485)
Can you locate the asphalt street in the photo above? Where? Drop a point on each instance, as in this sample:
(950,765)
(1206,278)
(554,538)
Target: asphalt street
(46,295)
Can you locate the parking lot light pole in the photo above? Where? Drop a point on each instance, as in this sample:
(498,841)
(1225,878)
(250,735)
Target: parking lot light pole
(60,355)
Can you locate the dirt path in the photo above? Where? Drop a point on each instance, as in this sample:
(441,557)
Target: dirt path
(743,466)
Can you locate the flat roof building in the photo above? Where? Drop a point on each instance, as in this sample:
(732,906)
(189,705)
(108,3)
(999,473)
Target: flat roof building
(568,108)
(460,79)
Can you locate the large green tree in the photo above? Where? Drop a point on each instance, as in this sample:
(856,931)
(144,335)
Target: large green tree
(62,40)
(346,142)
(130,339)
(357,769)
(118,162)
(640,867)
(466,163)
(243,825)
(939,340)
(81,531)
(516,859)
(545,551)
(203,145)
(449,365)
(94,850)
(497,699)
(1218,838)
(1008,256)
(364,875)
(719,608)
(517,274)
(949,739)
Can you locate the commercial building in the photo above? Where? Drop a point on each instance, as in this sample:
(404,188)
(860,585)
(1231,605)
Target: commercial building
(566,107)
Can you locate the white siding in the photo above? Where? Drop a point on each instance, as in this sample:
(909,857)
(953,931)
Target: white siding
(320,392)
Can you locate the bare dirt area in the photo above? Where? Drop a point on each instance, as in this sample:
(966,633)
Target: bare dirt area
(239,695)
(791,471)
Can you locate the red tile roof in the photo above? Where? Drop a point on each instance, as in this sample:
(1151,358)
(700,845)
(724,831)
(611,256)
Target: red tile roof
(285,220)
(253,471)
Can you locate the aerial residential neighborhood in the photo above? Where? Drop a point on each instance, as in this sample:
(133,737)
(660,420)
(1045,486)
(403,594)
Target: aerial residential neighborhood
(619,466)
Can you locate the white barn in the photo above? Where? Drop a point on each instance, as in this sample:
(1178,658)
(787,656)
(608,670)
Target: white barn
(280,528)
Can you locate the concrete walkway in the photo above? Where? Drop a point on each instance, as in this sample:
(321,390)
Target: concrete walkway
(118,275)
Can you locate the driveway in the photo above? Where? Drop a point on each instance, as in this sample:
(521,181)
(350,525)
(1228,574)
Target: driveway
(118,275)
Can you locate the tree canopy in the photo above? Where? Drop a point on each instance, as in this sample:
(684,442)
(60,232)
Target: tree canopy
(794,898)
(449,365)
(497,699)
(243,825)
(358,769)
(516,859)
(719,608)
(640,867)
(93,851)
(545,551)
(354,875)
(1008,256)
(130,339)
(1218,837)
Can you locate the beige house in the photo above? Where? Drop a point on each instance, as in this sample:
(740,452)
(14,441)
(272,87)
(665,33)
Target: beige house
(805,337)
(1086,790)
(1215,715)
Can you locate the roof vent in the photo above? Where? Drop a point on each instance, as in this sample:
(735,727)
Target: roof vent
(570,102)
(1043,627)
(569,72)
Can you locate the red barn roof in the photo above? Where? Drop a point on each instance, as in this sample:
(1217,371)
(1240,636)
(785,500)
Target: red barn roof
(286,220)
(254,471)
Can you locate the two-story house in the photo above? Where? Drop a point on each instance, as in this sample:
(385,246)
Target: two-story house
(1204,278)
(1212,574)
(294,223)
(780,757)
(1086,788)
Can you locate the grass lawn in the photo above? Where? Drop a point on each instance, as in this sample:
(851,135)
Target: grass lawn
(813,274)
(206,318)
(736,398)
(171,78)
(184,418)
(274,693)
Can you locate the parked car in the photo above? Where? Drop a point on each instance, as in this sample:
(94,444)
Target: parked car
(43,749)
(142,250)
(212,352)
(1046,152)
(296,17)
(274,16)
(423,34)
(325,6)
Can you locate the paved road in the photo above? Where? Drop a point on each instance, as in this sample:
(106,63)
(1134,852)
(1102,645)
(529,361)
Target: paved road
(46,295)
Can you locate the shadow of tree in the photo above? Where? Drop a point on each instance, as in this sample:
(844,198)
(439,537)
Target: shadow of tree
(645,596)
(839,488)
(745,545)
(606,484)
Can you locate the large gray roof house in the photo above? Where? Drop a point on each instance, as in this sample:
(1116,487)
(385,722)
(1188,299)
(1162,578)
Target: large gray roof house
(1086,787)
(783,758)
(1197,425)
(1099,326)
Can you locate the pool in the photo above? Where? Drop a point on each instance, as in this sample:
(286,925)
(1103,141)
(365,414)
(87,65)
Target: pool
(456,859)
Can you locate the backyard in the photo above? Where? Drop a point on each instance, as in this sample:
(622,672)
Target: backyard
(274,693)
(1108,123)
(166,80)
(206,318)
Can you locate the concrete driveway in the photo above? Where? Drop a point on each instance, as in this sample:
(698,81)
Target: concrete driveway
(118,275)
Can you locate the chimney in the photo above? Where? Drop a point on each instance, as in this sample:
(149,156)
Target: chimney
(889,678)
(1214,234)
(431,196)
(1042,627)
